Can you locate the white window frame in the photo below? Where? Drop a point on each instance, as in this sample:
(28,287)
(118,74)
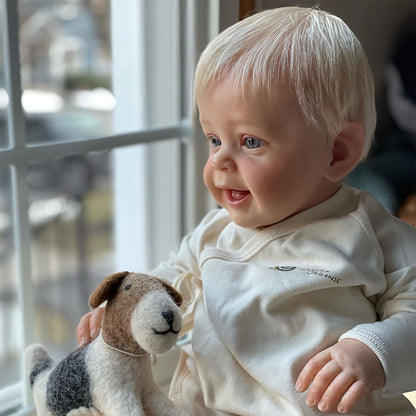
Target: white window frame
(146,233)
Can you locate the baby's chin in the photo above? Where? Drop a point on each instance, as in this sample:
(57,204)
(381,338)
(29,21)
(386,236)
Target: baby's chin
(244,221)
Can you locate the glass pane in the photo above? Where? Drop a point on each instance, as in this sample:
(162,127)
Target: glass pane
(4,136)
(3,95)
(66,69)
(70,212)
(66,125)
(10,363)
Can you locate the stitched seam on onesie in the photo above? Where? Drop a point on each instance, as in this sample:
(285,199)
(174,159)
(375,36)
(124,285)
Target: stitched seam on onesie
(366,225)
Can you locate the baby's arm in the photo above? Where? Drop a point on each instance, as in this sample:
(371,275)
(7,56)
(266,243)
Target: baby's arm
(341,375)
(378,354)
(89,326)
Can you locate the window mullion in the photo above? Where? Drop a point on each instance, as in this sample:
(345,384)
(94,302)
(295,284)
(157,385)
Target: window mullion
(131,210)
(54,150)
(202,25)
(21,234)
(21,226)
(16,121)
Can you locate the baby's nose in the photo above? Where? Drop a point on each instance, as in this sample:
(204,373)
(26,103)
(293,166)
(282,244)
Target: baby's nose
(223,160)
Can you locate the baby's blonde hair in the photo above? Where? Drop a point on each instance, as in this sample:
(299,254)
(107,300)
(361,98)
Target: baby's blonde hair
(313,50)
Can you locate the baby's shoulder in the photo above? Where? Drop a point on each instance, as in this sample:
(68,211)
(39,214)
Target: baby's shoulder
(375,217)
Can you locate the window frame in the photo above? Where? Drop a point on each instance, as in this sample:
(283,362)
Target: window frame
(192,201)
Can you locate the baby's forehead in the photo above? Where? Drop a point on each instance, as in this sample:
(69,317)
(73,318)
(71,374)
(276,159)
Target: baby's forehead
(280,94)
(252,111)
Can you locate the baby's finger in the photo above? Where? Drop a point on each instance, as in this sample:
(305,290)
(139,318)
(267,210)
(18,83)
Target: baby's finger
(335,391)
(83,330)
(311,369)
(321,382)
(354,393)
(95,322)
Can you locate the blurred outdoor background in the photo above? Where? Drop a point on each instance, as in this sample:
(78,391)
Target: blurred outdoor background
(66,81)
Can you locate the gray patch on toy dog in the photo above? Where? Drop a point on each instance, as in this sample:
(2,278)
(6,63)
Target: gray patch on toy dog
(69,385)
(38,369)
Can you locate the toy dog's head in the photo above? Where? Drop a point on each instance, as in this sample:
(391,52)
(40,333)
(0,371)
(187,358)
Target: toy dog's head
(142,312)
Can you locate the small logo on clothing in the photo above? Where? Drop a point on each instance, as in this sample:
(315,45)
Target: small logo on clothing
(284,268)
(316,272)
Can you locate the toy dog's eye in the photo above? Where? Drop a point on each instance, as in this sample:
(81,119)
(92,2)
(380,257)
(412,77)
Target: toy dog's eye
(127,287)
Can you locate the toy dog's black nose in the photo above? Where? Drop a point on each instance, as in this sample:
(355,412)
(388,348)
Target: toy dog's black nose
(168,315)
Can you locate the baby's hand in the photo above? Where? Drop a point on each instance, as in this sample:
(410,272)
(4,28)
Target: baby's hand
(89,326)
(341,375)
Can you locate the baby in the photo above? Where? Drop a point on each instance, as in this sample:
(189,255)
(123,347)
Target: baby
(299,283)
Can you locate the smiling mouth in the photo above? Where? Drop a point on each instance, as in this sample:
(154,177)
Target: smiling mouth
(165,332)
(235,196)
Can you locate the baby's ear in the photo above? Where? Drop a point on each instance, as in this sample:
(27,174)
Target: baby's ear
(347,150)
(106,288)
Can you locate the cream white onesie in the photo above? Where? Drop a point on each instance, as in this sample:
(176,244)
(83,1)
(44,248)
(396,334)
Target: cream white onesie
(261,303)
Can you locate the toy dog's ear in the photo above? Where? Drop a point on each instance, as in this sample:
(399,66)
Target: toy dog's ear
(106,288)
(174,294)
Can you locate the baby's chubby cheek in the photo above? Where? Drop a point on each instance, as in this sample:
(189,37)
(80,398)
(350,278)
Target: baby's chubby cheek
(209,181)
(207,172)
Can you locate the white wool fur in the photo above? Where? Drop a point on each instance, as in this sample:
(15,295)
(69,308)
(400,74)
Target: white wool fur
(145,312)
(117,384)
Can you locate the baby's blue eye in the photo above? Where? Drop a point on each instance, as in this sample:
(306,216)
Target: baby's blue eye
(214,141)
(252,143)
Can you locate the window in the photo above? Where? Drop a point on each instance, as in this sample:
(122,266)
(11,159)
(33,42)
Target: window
(100,165)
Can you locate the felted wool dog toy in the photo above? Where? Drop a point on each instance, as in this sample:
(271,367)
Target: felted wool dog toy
(112,375)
